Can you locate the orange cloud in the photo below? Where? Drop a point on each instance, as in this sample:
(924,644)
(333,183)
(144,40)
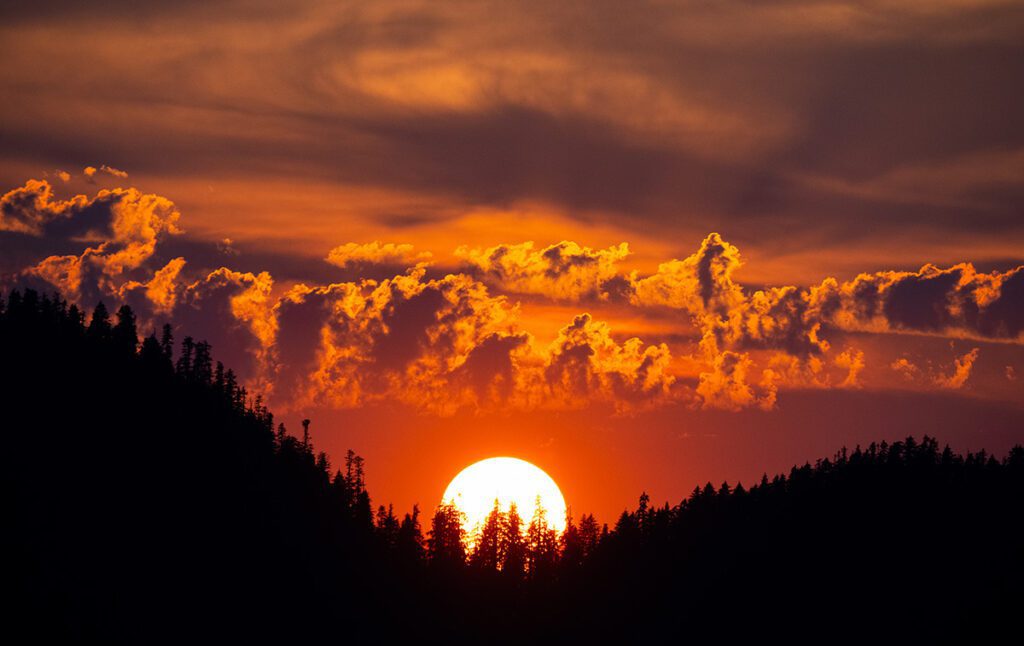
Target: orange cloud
(961,371)
(405,337)
(905,368)
(725,385)
(443,343)
(375,253)
(29,208)
(958,301)
(853,361)
(90,172)
(585,360)
(561,271)
(447,343)
(233,311)
(703,286)
(159,294)
(124,225)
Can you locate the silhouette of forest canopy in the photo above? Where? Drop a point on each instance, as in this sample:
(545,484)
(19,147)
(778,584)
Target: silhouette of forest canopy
(151,499)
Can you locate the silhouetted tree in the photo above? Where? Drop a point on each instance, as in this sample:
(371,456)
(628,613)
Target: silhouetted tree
(387,526)
(446,542)
(590,535)
(541,543)
(151,355)
(184,365)
(513,547)
(167,341)
(99,326)
(125,335)
(486,554)
(202,364)
(571,545)
(410,547)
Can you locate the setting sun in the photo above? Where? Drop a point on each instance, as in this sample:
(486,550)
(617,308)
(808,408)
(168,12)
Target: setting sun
(507,480)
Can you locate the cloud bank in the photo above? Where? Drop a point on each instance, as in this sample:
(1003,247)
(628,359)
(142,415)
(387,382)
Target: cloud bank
(447,341)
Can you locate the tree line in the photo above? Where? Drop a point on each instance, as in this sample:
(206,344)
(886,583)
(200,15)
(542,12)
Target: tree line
(150,496)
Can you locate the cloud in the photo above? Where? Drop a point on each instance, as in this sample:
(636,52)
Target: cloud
(109,170)
(958,301)
(703,286)
(725,385)
(446,343)
(443,342)
(853,361)
(157,296)
(227,247)
(28,209)
(89,172)
(560,271)
(375,253)
(233,311)
(961,371)
(124,226)
(954,302)
(905,368)
(584,359)
(543,106)
(424,342)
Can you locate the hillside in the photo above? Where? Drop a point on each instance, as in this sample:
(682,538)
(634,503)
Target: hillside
(150,499)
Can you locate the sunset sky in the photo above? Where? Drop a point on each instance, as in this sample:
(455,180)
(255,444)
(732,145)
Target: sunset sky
(642,245)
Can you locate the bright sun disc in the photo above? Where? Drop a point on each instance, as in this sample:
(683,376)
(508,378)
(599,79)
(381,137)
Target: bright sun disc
(509,480)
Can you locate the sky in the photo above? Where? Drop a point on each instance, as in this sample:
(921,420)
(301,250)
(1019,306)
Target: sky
(643,245)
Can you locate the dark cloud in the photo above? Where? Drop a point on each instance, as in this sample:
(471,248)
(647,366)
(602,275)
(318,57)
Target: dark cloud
(736,117)
(119,11)
(232,311)
(958,301)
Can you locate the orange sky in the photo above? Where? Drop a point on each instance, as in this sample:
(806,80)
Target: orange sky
(643,248)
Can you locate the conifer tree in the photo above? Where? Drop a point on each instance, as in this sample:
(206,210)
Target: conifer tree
(99,326)
(513,548)
(125,335)
(446,544)
(486,554)
(541,543)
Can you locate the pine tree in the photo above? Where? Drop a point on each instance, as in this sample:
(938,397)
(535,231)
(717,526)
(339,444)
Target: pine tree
(183,367)
(167,342)
(387,526)
(409,546)
(202,363)
(541,543)
(99,327)
(486,554)
(571,544)
(590,535)
(446,544)
(125,335)
(513,549)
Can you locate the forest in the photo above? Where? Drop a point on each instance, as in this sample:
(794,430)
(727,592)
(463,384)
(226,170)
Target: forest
(150,499)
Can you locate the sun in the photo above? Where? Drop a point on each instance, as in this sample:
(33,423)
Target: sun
(509,480)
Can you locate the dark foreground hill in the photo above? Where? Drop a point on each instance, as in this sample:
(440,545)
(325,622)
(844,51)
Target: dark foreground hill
(147,499)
